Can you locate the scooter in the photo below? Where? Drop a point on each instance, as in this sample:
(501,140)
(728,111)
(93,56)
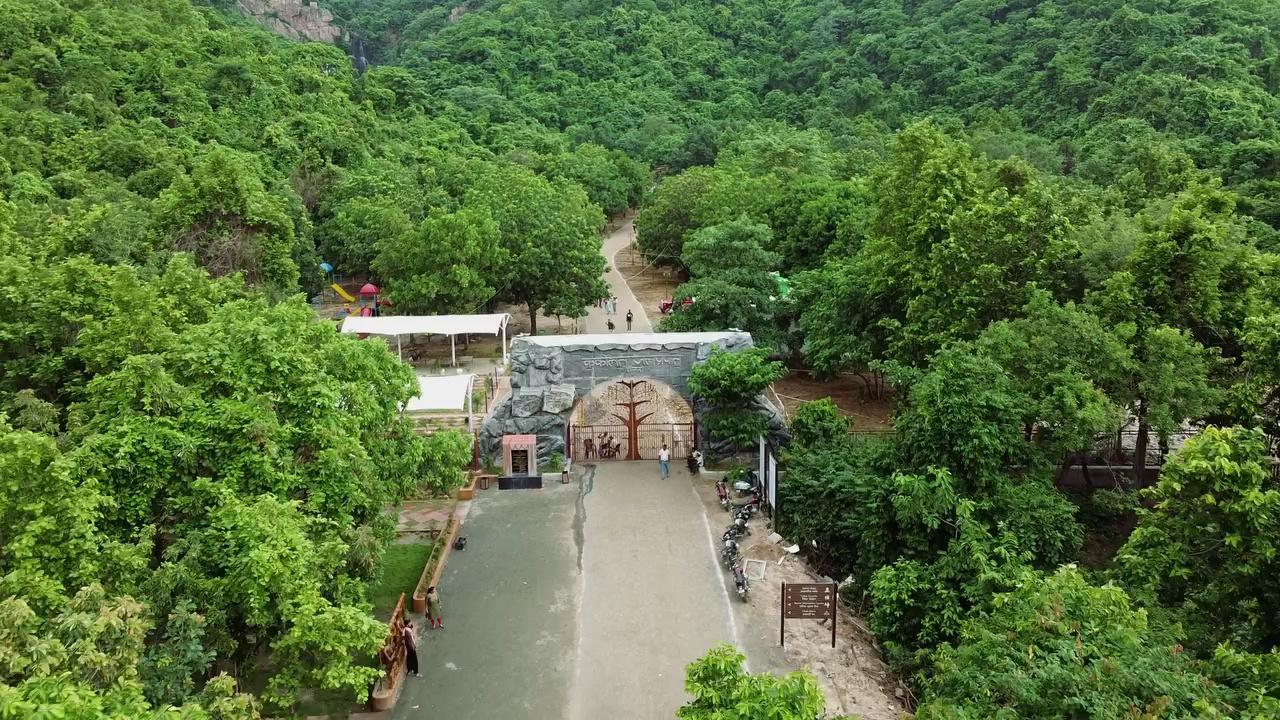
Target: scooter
(740,581)
(722,492)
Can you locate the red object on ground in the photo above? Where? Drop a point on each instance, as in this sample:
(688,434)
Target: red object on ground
(369,289)
(366,312)
(665,307)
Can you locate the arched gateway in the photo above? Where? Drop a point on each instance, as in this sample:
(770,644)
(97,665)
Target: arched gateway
(551,373)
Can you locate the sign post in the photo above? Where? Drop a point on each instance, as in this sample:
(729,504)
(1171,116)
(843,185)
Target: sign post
(808,601)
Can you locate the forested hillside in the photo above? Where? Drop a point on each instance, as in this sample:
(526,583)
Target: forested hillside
(1041,220)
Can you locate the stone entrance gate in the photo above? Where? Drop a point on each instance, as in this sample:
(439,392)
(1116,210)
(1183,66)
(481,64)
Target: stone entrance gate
(550,373)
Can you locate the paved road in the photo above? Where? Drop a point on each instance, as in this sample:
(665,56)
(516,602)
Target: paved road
(596,321)
(510,605)
(578,601)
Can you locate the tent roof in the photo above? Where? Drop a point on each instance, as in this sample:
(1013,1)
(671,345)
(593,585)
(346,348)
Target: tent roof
(426,324)
(627,338)
(441,392)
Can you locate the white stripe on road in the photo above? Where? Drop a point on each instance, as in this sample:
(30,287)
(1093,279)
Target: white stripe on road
(724,588)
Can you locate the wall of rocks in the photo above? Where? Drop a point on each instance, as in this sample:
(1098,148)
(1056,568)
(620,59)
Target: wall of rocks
(295,19)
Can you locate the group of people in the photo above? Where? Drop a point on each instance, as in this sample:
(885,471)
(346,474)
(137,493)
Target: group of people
(435,616)
(605,445)
(610,306)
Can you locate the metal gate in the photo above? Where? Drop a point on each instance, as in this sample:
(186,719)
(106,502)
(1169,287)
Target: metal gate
(589,442)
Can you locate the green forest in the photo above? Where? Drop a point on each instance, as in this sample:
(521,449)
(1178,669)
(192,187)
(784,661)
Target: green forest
(1039,220)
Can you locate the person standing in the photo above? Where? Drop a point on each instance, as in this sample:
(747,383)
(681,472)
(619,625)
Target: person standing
(614,311)
(435,608)
(664,461)
(629,316)
(410,634)
(609,324)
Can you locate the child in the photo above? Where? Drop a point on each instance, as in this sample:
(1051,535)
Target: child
(435,608)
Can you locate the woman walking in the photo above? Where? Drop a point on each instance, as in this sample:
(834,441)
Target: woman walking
(435,608)
(411,649)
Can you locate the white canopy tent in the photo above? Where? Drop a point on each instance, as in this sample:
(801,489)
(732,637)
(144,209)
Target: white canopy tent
(451,325)
(443,392)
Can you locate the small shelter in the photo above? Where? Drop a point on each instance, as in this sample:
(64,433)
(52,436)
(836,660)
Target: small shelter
(438,393)
(451,325)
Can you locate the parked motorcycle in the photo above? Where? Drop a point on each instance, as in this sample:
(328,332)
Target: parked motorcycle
(737,529)
(740,581)
(748,484)
(729,554)
(751,505)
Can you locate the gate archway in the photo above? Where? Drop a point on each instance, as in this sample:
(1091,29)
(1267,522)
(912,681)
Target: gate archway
(550,374)
(631,419)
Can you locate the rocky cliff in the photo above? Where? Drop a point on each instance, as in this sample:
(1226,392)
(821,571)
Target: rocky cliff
(297,19)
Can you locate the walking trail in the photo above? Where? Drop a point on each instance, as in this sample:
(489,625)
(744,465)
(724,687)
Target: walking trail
(596,320)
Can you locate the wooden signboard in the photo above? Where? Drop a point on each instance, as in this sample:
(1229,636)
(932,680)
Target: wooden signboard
(808,601)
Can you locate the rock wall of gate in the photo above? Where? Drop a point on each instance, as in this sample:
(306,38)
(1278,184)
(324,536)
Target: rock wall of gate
(550,373)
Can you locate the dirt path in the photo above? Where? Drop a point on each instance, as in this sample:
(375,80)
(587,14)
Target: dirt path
(853,678)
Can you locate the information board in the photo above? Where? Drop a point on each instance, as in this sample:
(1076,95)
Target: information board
(808,601)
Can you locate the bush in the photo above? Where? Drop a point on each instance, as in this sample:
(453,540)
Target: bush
(819,422)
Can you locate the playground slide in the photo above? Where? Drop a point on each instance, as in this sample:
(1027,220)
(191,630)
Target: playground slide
(342,293)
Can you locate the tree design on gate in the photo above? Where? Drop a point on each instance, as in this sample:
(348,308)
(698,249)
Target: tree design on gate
(631,421)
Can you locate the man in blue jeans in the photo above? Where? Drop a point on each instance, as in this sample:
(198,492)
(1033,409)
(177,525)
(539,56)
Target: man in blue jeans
(664,461)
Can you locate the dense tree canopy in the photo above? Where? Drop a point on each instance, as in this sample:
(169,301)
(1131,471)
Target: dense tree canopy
(1044,221)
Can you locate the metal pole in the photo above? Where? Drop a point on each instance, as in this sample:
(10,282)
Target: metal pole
(782,617)
(453,353)
(835,606)
(399,349)
(504,343)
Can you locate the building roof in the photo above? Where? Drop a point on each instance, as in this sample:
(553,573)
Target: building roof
(628,338)
(426,324)
(441,392)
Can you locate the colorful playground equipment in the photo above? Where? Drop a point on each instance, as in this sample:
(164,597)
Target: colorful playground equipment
(342,293)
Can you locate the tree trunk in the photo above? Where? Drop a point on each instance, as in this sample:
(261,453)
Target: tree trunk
(1140,447)
(533,319)
(1088,476)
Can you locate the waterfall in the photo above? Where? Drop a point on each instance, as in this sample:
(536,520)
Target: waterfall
(356,48)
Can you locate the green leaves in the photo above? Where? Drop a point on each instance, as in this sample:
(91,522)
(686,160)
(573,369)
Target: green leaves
(1211,535)
(449,265)
(1056,646)
(733,380)
(723,690)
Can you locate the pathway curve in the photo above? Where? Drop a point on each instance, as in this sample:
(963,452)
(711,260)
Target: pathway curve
(596,320)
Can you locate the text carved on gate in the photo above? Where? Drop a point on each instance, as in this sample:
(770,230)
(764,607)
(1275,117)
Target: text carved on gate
(631,361)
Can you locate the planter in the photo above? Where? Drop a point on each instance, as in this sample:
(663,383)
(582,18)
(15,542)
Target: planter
(435,565)
(466,492)
(384,696)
